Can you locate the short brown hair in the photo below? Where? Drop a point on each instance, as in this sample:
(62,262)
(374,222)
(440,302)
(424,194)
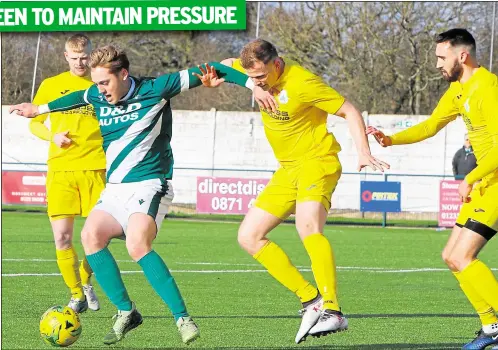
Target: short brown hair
(109,57)
(78,43)
(257,50)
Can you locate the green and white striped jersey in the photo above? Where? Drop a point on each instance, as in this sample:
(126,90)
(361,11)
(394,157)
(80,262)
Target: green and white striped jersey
(137,130)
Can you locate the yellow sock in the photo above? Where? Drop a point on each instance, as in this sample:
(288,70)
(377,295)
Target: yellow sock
(68,265)
(484,310)
(323,266)
(480,277)
(85,272)
(278,264)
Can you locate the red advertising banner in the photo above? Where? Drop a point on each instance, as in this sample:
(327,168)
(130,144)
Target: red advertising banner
(226,195)
(449,202)
(24,187)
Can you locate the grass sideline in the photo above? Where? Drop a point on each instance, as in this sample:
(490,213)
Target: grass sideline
(393,287)
(331,220)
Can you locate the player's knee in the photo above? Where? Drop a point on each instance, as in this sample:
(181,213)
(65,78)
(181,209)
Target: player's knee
(452,264)
(243,241)
(449,261)
(307,227)
(63,239)
(246,241)
(86,236)
(137,250)
(457,263)
(91,239)
(445,255)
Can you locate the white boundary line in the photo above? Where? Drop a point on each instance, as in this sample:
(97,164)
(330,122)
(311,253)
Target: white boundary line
(302,268)
(134,272)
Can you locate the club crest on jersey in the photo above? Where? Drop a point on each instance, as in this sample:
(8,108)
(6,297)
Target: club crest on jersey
(467,106)
(282,97)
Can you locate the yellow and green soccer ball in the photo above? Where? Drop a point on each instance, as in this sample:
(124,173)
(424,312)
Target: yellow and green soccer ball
(60,326)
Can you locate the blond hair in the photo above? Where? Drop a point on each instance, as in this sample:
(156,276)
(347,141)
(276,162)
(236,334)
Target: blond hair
(78,43)
(109,57)
(257,50)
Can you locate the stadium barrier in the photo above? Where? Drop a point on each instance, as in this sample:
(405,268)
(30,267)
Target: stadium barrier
(422,198)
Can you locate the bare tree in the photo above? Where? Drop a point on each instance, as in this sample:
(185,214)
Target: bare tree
(18,52)
(378,54)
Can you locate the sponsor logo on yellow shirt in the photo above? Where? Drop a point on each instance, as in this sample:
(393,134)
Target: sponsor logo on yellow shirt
(278,115)
(85,110)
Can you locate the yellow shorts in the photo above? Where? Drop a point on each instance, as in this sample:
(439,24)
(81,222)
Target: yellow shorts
(313,180)
(483,207)
(71,193)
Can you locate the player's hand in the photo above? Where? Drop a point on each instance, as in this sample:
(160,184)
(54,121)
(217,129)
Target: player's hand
(381,138)
(208,76)
(265,99)
(464,190)
(61,139)
(27,110)
(367,160)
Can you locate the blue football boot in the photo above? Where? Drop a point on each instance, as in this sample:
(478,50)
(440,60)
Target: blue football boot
(481,341)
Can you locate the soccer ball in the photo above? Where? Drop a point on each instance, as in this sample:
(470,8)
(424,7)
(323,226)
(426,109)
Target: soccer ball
(60,326)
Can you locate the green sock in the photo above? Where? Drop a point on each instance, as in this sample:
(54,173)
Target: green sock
(164,284)
(107,273)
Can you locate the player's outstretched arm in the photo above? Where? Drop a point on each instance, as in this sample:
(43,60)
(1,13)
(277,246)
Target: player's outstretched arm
(209,77)
(218,73)
(71,101)
(210,74)
(444,113)
(357,129)
(414,134)
(380,137)
(28,110)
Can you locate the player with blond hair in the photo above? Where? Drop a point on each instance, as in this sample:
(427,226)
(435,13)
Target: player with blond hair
(76,167)
(135,120)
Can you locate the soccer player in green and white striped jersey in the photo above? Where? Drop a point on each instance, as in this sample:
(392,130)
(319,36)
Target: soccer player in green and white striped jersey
(135,120)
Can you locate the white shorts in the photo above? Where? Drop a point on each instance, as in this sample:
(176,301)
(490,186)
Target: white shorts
(152,197)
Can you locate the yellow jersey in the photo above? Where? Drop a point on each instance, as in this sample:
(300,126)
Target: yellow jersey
(85,151)
(297,131)
(476,101)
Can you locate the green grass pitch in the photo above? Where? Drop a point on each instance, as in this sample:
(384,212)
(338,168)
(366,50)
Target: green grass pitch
(392,284)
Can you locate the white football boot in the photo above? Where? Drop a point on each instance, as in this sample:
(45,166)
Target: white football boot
(310,315)
(78,305)
(188,329)
(330,322)
(91,297)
